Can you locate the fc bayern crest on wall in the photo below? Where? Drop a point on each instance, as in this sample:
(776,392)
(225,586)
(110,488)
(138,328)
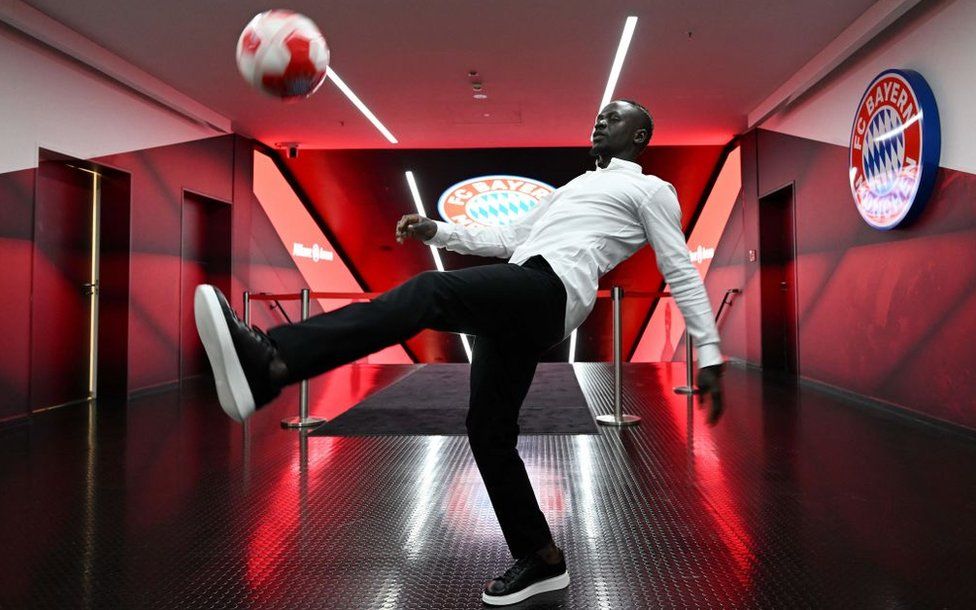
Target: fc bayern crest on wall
(895,147)
(493,201)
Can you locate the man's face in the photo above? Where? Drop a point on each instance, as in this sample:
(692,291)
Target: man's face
(614,129)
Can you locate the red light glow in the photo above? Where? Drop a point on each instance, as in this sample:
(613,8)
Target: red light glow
(311,251)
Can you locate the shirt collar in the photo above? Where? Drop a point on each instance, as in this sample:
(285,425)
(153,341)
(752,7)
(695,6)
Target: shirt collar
(616,163)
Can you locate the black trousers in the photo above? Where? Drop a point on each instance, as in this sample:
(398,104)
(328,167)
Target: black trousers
(515,312)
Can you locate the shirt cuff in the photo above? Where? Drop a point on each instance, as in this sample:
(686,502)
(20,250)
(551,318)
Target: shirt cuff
(709,355)
(444,232)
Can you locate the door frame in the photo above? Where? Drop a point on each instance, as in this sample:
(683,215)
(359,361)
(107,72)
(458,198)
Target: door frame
(111,357)
(791,185)
(230,252)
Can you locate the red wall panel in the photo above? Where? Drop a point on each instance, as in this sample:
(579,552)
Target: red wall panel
(159,176)
(884,314)
(218,167)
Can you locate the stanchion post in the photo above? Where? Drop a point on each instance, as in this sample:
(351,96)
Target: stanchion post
(689,387)
(303,420)
(247,309)
(618,418)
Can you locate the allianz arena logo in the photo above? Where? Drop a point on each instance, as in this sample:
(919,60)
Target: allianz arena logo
(493,201)
(895,148)
(701,254)
(315,252)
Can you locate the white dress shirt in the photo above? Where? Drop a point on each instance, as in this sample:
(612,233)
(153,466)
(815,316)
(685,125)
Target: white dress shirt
(587,228)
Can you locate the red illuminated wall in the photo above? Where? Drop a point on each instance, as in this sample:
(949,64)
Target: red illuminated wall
(359,195)
(662,337)
(322,269)
(885,314)
(217,167)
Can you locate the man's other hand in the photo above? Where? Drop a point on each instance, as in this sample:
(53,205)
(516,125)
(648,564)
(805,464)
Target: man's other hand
(415,226)
(710,384)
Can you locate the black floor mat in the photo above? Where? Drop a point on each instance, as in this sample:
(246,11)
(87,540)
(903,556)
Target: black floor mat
(434,400)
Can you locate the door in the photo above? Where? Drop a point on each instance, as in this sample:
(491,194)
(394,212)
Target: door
(64,295)
(777,252)
(206,259)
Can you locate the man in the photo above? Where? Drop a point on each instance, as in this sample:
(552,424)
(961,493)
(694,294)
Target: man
(516,310)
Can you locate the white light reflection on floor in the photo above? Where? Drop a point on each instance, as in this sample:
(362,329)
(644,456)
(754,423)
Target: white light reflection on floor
(423,496)
(586,509)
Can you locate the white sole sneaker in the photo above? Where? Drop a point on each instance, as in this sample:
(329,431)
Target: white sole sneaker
(550,584)
(232,389)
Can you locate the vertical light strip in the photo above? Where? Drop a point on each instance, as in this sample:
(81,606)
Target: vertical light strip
(618,61)
(419,204)
(572,346)
(358,103)
(93,299)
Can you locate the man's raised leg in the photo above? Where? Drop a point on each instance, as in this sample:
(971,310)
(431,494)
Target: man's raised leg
(250,367)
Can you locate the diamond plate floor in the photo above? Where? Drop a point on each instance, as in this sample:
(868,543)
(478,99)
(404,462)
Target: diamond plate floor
(797,499)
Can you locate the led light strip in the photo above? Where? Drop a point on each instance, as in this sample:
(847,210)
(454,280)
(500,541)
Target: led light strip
(358,103)
(618,61)
(93,304)
(412,183)
(618,64)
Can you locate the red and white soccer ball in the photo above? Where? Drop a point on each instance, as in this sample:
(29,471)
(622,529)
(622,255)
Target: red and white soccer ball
(283,54)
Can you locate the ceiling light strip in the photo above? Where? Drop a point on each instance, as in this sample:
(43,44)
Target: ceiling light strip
(358,103)
(419,204)
(618,61)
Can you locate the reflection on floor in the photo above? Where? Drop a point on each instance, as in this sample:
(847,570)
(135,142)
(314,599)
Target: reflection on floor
(797,499)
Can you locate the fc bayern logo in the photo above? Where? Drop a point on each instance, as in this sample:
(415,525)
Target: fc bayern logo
(493,201)
(895,147)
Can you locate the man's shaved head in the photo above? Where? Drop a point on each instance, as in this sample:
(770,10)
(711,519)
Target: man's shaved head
(622,129)
(647,121)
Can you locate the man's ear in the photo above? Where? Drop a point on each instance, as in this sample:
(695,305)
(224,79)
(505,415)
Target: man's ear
(640,136)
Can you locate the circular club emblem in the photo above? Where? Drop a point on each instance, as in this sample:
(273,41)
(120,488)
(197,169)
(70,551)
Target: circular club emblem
(493,201)
(895,146)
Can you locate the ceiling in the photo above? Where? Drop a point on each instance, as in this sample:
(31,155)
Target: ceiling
(699,66)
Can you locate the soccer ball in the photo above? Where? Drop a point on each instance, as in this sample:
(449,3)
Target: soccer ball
(283,54)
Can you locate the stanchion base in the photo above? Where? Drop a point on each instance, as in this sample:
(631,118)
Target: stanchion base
(686,390)
(298,422)
(611,420)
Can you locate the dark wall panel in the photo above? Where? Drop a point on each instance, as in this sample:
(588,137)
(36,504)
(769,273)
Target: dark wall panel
(16,234)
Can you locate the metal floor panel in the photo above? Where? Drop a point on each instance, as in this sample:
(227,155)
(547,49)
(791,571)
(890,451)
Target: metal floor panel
(796,500)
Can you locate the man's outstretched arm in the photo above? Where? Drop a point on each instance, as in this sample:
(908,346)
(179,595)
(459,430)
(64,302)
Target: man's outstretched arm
(661,217)
(500,242)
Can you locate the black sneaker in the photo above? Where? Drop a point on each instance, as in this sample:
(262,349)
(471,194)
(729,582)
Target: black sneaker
(529,576)
(239,356)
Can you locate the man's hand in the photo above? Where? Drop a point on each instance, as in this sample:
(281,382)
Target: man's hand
(710,384)
(415,226)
